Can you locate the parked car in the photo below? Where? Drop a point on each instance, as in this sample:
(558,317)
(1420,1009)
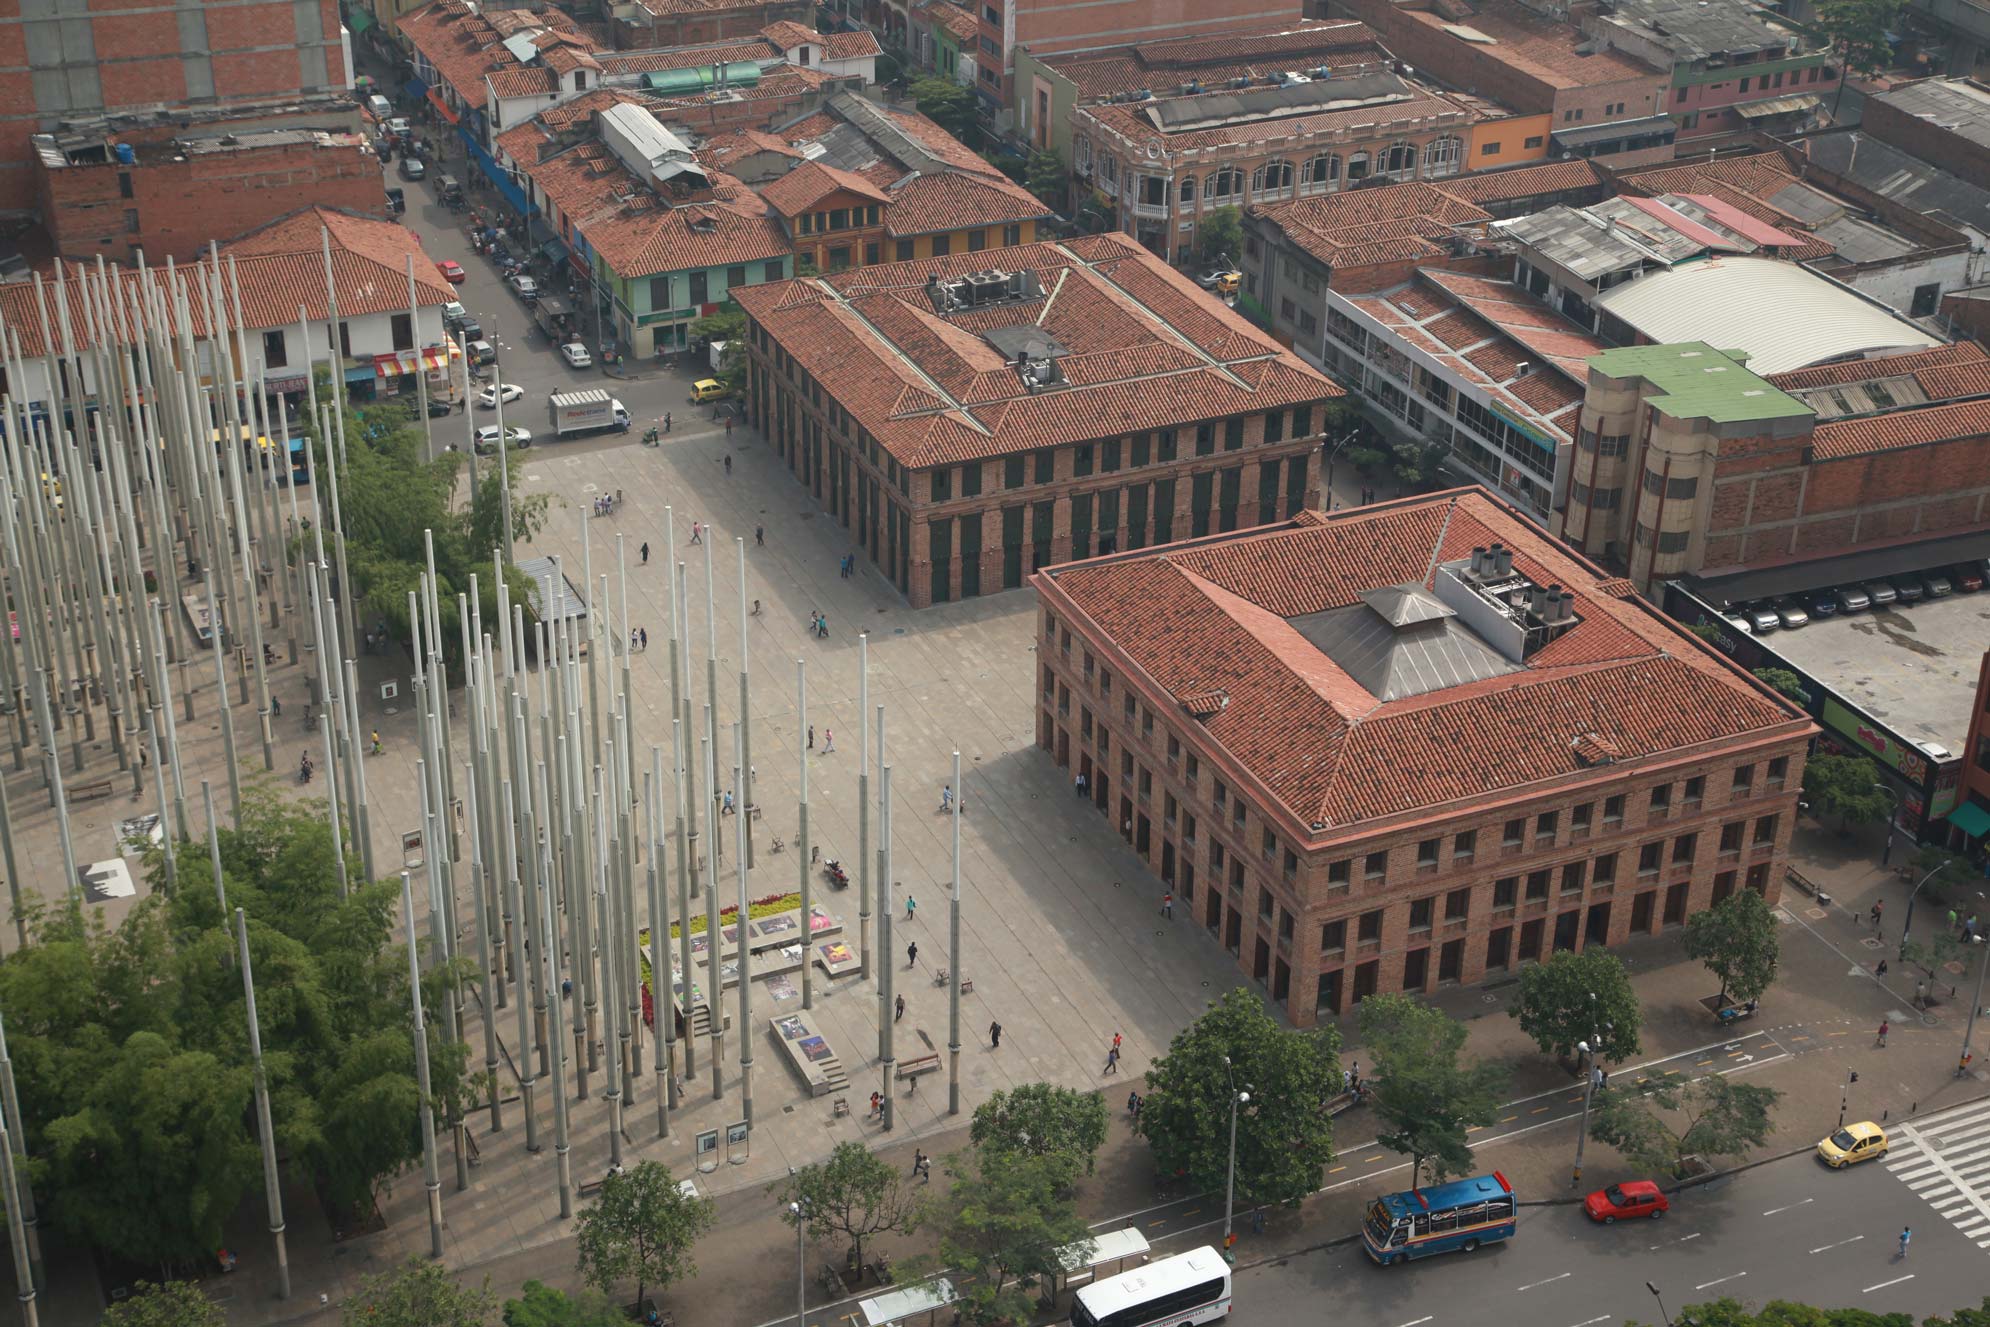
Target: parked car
(1626,1200)
(470,329)
(1910,589)
(411,168)
(1968,578)
(1762,619)
(490,396)
(526,285)
(400,128)
(486,438)
(1791,612)
(1939,586)
(481,351)
(1880,593)
(1738,622)
(1853,599)
(452,272)
(453,314)
(1221,281)
(438,406)
(1822,604)
(576,355)
(1852,1143)
(707,389)
(380,107)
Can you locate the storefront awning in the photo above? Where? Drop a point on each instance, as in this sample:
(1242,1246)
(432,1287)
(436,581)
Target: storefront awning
(433,358)
(358,22)
(1763,110)
(360,373)
(1971,819)
(435,100)
(554,250)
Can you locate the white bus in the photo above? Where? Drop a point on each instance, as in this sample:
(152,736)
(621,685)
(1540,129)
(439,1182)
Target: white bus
(1190,1287)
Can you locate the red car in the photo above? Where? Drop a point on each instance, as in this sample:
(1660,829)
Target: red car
(1626,1200)
(452,271)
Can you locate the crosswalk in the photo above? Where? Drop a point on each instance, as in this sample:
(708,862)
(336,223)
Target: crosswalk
(1945,1159)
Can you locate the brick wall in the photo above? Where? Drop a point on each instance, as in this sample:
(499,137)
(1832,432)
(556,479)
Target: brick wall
(1926,140)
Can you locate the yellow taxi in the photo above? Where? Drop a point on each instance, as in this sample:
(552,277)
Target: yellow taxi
(706,389)
(1227,283)
(1852,1143)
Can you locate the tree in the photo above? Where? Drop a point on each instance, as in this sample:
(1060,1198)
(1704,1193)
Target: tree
(1043,1119)
(1001,1224)
(174,1304)
(1044,175)
(1738,941)
(1934,949)
(728,325)
(1858,29)
(1426,1099)
(1719,1117)
(1579,997)
(418,1293)
(1284,1136)
(1843,789)
(947,104)
(1219,236)
(855,1194)
(543,1306)
(640,1226)
(1783,680)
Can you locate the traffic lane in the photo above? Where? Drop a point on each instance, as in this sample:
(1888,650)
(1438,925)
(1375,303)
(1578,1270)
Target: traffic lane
(1789,1230)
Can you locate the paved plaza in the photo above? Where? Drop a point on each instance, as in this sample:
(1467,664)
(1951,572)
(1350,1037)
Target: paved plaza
(1061,928)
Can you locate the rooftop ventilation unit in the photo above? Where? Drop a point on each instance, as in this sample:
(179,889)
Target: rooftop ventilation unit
(980,289)
(1516,616)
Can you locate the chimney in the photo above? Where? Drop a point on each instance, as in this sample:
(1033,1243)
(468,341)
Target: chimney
(1502,560)
(1537,603)
(1479,560)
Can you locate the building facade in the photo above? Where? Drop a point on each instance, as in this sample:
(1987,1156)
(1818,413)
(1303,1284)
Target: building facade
(973,418)
(1409,746)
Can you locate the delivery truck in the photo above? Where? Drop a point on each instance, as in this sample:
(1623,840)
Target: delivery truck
(591,411)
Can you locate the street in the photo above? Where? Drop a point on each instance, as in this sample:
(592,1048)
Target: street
(1789,1229)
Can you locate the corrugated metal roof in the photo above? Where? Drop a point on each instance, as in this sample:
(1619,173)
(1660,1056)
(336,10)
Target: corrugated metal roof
(1721,301)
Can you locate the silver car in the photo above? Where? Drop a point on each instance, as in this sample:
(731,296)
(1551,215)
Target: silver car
(1791,612)
(1761,618)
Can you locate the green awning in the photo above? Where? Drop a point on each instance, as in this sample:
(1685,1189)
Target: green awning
(1971,819)
(359,21)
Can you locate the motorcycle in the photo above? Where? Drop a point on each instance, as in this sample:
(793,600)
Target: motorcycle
(833,872)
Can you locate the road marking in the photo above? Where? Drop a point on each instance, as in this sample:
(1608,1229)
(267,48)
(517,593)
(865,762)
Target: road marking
(1162,1222)
(1787,1207)
(1719,1280)
(1337,1170)
(1538,1109)
(1550,1281)
(1416,1322)
(1379,1156)
(1681,1240)
(1591,1322)
(1508,1119)
(1196,1211)
(1826,1248)
(1884,1284)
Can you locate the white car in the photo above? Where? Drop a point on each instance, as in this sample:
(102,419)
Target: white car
(576,355)
(487,438)
(527,286)
(493,394)
(453,313)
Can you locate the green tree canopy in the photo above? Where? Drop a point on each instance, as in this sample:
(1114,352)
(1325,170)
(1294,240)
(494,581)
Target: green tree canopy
(1738,941)
(1576,997)
(539,1305)
(1844,789)
(1931,949)
(1043,1119)
(641,1228)
(1001,1223)
(1858,29)
(1219,235)
(1426,1098)
(728,324)
(131,1046)
(947,104)
(418,1293)
(1669,1117)
(1284,1137)
(174,1304)
(1783,680)
(1044,176)
(855,1194)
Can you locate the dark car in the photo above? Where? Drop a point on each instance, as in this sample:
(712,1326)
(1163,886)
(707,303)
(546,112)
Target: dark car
(470,329)
(411,168)
(1822,604)
(438,407)
(1939,586)
(1910,589)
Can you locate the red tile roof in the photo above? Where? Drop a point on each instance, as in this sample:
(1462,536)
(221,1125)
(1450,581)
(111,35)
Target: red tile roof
(1747,183)
(1494,186)
(850,45)
(928,204)
(1359,227)
(1210,618)
(788,34)
(959,23)
(809,183)
(1145,350)
(1427,111)
(689,57)
(1269,46)
(1886,366)
(1555,52)
(1901,428)
(464,44)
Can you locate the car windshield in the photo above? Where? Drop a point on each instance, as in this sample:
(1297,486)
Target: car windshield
(1843,1140)
(1616,1196)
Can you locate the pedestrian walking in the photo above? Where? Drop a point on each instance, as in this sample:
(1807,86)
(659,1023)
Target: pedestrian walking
(1078,784)
(900,1010)
(912,954)
(822,623)
(728,434)
(1880,971)
(918,1161)
(947,797)
(760,535)
(1882,1031)
(877,1103)
(911,904)
(728,454)
(1168,906)
(1879,906)
(1906,1233)
(646,552)
(645,632)
(1112,1061)
(376,741)
(828,741)
(1115,1041)
(666,421)
(726,809)
(1133,1104)
(994,1035)
(811,737)
(694,534)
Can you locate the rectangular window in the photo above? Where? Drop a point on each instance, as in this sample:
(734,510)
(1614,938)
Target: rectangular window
(970,479)
(1205,439)
(1572,878)
(1233,433)
(404,331)
(1650,857)
(1109,456)
(1506,891)
(943,485)
(1546,824)
(1464,846)
(1012,472)
(1370,928)
(1514,833)
(736,276)
(1696,790)
(276,353)
(1499,947)
(1537,885)
(902,251)
(1744,780)
(1081,459)
(1333,937)
(977,240)
(1580,816)
(1765,831)
(700,288)
(1604,871)
(1012,235)
(942,245)
(1779,771)
(1457,905)
(1613,811)
(1661,799)
(1375,865)
(1426,852)
(660,291)
(1274,426)
(1046,466)
(1338,872)
(1422,912)
(1683,848)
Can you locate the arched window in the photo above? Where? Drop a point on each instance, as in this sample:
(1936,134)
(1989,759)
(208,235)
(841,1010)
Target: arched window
(1357,167)
(1442,157)
(1188,188)
(1399,162)
(1320,175)
(1225,183)
(1271,181)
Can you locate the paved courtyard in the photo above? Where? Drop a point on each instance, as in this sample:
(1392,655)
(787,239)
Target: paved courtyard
(1061,931)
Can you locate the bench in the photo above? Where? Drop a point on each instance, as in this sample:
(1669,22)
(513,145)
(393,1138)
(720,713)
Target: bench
(919,1064)
(90,792)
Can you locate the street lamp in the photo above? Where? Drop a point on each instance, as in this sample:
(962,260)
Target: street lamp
(1975,1007)
(1892,822)
(1590,1050)
(1661,1303)
(801,1267)
(1907,922)
(1230,1185)
(1332,452)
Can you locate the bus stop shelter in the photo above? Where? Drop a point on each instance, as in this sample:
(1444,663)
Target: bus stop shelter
(1080,1262)
(906,1303)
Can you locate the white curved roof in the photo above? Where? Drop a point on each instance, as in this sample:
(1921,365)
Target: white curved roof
(1781,315)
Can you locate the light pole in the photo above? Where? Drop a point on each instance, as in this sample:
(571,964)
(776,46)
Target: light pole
(1590,1050)
(1332,452)
(1892,822)
(1230,1184)
(1907,922)
(1975,1007)
(801,1265)
(1661,1303)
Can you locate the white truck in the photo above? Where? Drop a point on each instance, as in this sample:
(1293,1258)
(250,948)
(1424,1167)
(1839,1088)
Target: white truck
(590,411)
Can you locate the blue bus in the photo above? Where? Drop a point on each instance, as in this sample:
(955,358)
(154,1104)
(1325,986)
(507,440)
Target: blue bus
(1459,1216)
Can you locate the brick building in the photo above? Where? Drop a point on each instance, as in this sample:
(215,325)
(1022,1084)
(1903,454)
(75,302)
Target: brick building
(1410,746)
(977,417)
(72,63)
(1946,120)
(653,24)
(175,194)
